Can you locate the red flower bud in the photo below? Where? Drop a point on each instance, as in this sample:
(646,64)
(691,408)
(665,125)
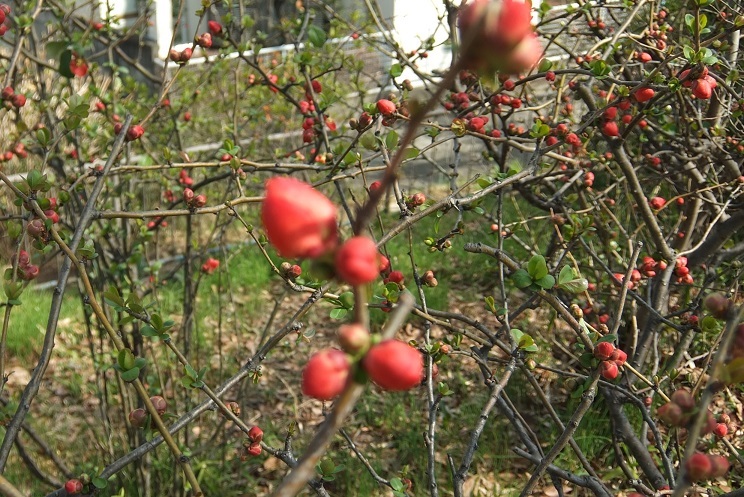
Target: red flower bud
(215,28)
(394,365)
(671,414)
(357,261)
(719,466)
(684,399)
(386,107)
(325,374)
(603,351)
(609,370)
(644,94)
(353,338)
(720,430)
(73,486)
(698,467)
(138,418)
(299,220)
(160,405)
(255,434)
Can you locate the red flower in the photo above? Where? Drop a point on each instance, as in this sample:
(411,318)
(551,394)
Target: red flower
(210,265)
(299,220)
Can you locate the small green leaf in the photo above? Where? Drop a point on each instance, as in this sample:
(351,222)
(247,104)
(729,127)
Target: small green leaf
(537,267)
(578,285)
(316,36)
(338,313)
(391,140)
(64,64)
(396,70)
(130,375)
(607,338)
(99,482)
(521,278)
(397,484)
(546,282)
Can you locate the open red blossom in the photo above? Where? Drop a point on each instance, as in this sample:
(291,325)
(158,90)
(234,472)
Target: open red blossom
(394,365)
(299,220)
(357,261)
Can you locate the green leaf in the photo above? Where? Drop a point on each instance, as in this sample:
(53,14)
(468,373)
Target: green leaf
(338,313)
(149,331)
(521,278)
(140,362)
(397,484)
(537,267)
(546,282)
(190,371)
(55,48)
(565,275)
(316,36)
(99,482)
(130,375)
(516,334)
(578,285)
(396,70)
(607,338)
(410,153)
(391,140)
(64,64)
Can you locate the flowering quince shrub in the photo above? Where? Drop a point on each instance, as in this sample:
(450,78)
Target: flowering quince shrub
(266,301)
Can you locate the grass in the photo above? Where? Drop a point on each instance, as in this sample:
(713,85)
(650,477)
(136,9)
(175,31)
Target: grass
(29,320)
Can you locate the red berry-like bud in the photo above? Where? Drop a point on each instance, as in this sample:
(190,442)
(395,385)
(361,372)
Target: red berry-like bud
(698,467)
(18,100)
(255,434)
(188,195)
(200,201)
(609,128)
(701,89)
(603,350)
(375,185)
(395,277)
(357,261)
(671,414)
(7,93)
(215,28)
(385,107)
(609,370)
(159,403)
(138,418)
(325,374)
(619,357)
(684,399)
(254,450)
(720,430)
(73,486)
(394,365)
(644,94)
(353,338)
(204,40)
(657,203)
(299,220)
(719,466)
(135,132)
